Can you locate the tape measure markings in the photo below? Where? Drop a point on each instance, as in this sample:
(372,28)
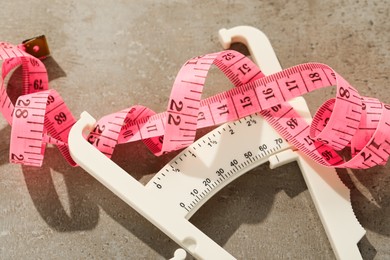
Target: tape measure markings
(190,92)
(188,110)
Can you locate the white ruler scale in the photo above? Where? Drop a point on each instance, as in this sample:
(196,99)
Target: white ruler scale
(180,188)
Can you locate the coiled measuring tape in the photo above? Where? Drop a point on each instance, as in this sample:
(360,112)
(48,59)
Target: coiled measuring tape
(40,116)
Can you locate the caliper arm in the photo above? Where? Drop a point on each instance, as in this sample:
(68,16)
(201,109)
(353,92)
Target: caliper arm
(330,196)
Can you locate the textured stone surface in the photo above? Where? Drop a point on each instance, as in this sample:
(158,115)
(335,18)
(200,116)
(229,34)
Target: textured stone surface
(109,55)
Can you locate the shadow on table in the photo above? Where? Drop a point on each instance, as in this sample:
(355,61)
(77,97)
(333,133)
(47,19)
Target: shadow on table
(252,197)
(84,196)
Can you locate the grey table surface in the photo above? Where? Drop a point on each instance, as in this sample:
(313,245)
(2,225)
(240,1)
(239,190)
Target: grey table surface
(109,55)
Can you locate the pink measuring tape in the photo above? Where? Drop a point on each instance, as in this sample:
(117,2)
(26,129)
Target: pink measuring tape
(40,116)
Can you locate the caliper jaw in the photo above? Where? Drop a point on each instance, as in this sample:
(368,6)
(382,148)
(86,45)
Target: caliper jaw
(332,201)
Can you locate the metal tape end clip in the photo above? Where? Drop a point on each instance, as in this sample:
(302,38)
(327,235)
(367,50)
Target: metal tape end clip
(37,47)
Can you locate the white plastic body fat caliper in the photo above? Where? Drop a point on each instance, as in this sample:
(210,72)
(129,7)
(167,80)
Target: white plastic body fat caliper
(170,204)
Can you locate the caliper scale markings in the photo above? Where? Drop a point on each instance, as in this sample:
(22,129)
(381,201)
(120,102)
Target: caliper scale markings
(203,169)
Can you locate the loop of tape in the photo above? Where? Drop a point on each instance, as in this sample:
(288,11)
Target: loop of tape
(361,124)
